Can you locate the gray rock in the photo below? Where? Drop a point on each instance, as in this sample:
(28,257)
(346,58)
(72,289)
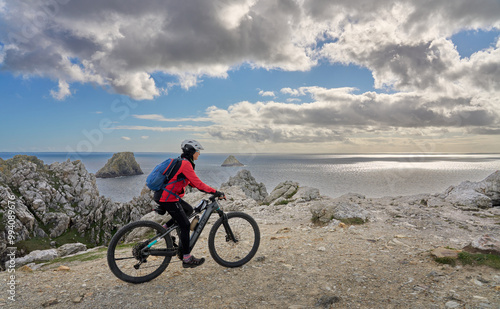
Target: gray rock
(341,208)
(284,190)
(68,249)
(452,304)
(488,244)
(307,194)
(247,183)
(232,161)
(37,256)
(121,164)
(349,210)
(57,222)
(474,195)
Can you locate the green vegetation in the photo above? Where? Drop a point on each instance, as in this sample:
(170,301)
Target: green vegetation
(490,260)
(39,243)
(446,260)
(466,258)
(35,243)
(353,221)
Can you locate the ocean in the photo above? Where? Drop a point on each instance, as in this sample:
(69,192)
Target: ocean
(373,175)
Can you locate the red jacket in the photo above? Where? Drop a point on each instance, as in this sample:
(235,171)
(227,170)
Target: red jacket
(177,184)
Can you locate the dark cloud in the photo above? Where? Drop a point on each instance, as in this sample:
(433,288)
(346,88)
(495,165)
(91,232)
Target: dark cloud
(339,115)
(118,38)
(119,43)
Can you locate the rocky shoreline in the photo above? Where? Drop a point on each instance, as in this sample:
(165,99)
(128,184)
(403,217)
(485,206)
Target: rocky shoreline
(347,252)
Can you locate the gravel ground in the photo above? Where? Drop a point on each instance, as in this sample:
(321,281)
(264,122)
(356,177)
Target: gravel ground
(384,263)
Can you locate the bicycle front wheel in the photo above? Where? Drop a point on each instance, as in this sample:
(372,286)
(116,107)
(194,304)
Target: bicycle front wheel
(235,243)
(130,261)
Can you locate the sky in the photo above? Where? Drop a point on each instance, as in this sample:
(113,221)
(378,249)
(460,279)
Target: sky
(250,76)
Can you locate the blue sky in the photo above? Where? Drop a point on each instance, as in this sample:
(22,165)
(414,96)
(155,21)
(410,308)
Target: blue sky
(243,78)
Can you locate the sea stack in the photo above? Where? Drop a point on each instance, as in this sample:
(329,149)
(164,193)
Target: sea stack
(121,164)
(232,161)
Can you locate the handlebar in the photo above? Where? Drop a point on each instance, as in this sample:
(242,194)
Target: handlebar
(212,198)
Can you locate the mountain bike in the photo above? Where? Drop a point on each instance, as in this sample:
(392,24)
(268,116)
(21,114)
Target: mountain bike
(142,250)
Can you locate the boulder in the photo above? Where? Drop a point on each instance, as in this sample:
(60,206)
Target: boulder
(121,164)
(37,256)
(68,249)
(232,161)
(344,208)
(283,191)
(487,244)
(442,252)
(247,183)
(306,194)
(474,195)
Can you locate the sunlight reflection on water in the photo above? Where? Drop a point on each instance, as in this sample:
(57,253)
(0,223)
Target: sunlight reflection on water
(373,175)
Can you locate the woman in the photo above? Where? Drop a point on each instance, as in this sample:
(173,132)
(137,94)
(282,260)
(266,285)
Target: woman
(170,200)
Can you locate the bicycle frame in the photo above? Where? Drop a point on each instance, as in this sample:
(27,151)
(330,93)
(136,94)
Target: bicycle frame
(211,207)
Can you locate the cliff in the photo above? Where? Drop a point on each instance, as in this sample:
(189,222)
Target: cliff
(59,203)
(121,164)
(232,161)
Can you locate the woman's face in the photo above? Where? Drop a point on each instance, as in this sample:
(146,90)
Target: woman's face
(196,155)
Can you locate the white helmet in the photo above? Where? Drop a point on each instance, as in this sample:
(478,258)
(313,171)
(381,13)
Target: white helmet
(191,144)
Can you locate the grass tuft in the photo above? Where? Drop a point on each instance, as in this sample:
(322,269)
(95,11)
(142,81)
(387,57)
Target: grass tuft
(490,260)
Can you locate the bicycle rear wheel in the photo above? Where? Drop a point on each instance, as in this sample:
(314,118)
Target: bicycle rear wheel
(236,252)
(126,257)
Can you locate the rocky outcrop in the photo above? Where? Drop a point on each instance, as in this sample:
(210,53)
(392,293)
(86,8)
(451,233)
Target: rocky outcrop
(290,192)
(247,183)
(346,208)
(283,191)
(61,199)
(232,161)
(68,249)
(121,164)
(472,195)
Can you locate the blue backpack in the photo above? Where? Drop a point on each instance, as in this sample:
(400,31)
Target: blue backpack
(162,173)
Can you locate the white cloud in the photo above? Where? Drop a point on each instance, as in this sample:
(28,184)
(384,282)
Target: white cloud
(119,44)
(63,92)
(162,129)
(157,117)
(125,138)
(232,13)
(144,137)
(405,44)
(292,92)
(139,86)
(267,93)
(338,116)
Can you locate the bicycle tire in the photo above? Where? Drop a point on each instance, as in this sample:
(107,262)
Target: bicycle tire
(225,251)
(122,259)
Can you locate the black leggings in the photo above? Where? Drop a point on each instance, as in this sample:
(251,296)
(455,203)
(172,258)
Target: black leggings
(179,211)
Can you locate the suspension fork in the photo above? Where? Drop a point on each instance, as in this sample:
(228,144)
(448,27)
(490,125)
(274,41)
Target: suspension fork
(225,223)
